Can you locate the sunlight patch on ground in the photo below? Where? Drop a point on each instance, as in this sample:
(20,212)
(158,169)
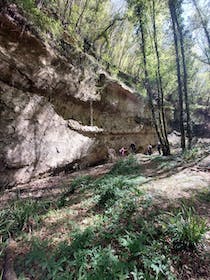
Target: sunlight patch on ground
(179,185)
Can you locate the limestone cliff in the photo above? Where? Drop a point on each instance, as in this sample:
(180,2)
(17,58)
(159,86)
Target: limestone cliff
(58,107)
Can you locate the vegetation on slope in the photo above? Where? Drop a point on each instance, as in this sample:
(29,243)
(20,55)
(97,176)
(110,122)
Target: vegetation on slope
(107,228)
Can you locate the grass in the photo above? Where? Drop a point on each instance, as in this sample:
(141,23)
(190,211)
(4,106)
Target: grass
(127,166)
(186,229)
(126,236)
(20,215)
(205,196)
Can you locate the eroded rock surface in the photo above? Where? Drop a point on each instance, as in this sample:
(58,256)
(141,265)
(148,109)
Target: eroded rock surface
(58,107)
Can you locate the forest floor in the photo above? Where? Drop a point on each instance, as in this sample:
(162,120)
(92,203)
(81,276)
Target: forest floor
(143,217)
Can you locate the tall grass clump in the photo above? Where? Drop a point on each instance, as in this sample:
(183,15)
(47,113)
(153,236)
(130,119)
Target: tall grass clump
(17,215)
(186,229)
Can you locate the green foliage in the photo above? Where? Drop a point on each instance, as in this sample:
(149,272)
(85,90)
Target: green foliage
(16,217)
(110,189)
(126,166)
(81,182)
(186,229)
(189,155)
(134,243)
(95,263)
(204,196)
(42,20)
(105,265)
(90,256)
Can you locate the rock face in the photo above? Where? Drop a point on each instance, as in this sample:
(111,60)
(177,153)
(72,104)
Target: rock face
(57,108)
(201,121)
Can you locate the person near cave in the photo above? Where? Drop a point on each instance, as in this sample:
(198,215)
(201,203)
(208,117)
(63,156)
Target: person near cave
(122,151)
(149,149)
(133,148)
(159,148)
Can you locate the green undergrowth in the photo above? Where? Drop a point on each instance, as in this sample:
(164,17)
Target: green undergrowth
(129,237)
(204,196)
(19,215)
(127,166)
(122,244)
(192,154)
(40,19)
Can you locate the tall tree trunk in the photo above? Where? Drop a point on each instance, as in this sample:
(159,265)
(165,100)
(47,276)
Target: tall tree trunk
(160,85)
(146,82)
(159,108)
(181,115)
(70,8)
(189,133)
(122,55)
(39,3)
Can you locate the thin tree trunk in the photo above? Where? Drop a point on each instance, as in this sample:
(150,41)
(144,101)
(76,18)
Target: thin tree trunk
(159,109)
(160,85)
(39,3)
(146,83)
(70,8)
(122,55)
(189,133)
(81,15)
(181,118)
(204,25)
(102,34)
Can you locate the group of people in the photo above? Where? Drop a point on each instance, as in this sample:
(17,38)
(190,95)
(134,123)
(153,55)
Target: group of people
(149,148)
(123,151)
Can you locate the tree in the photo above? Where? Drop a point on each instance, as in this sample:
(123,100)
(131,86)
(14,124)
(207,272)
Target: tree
(162,119)
(173,14)
(185,87)
(141,9)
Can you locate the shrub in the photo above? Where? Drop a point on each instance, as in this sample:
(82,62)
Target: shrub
(129,165)
(186,229)
(111,188)
(40,19)
(190,154)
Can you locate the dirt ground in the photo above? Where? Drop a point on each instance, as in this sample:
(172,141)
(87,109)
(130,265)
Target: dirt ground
(179,181)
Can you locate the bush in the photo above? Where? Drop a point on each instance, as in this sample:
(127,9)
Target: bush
(190,154)
(126,166)
(186,229)
(41,19)
(110,189)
